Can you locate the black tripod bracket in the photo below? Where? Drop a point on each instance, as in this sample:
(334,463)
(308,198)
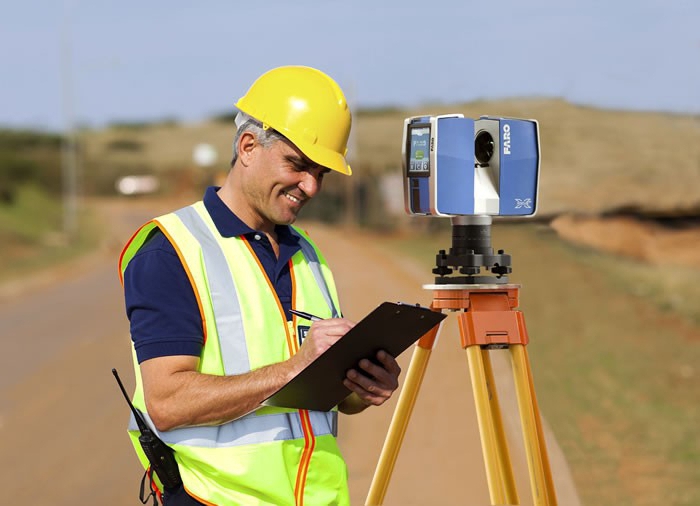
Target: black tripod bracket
(470,252)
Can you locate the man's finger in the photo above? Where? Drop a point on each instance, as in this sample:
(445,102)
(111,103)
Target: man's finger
(389,362)
(375,396)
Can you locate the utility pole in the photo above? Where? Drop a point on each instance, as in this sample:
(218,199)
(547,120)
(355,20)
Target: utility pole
(350,217)
(69,159)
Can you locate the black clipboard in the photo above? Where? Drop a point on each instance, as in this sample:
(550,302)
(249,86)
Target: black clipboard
(391,327)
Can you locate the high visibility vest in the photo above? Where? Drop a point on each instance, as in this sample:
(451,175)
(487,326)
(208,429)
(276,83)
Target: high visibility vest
(272,456)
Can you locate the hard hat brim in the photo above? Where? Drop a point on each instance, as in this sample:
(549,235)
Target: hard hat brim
(325,157)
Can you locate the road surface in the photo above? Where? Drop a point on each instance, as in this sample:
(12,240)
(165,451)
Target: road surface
(62,419)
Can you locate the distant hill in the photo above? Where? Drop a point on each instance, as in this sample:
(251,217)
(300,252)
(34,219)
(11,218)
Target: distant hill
(593,161)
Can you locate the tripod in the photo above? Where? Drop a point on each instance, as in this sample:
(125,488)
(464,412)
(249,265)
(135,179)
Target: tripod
(487,320)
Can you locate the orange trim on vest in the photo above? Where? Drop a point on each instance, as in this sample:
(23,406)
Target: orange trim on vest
(294,298)
(309,437)
(190,277)
(126,247)
(152,484)
(290,342)
(307,452)
(203,501)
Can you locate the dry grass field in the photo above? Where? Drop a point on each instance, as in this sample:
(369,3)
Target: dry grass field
(593,161)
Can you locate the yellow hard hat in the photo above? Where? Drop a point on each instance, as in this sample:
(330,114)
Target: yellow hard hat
(308,108)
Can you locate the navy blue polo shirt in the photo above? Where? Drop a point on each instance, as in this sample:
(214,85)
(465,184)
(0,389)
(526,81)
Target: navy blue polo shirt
(160,301)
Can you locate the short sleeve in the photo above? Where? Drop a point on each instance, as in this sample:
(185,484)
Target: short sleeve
(160,302)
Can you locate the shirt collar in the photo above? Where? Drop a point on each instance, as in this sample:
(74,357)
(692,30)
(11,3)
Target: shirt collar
(230,225)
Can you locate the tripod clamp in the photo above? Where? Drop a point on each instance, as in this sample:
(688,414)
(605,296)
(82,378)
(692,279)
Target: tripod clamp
(471,250)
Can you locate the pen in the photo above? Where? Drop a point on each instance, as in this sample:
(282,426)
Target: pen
(305,315)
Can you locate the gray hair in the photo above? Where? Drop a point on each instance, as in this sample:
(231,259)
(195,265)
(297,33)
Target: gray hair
(246,123)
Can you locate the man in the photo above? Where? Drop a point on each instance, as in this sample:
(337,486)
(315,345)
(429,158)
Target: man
(208,293)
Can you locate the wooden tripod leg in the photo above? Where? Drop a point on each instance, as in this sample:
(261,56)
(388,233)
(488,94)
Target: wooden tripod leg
(399,422)
(546,467)
(506,466)
(535,449)
(499,472)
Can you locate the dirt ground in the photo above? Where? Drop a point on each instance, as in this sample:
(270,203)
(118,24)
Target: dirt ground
(642,240)
(62,419)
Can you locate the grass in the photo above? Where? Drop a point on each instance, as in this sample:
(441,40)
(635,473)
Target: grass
(616,377)
(30,231)
(673,289)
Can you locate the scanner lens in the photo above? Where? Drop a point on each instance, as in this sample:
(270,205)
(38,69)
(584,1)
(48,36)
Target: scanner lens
(483,147)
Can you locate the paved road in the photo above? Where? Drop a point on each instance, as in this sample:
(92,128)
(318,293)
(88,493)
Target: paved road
(62,419)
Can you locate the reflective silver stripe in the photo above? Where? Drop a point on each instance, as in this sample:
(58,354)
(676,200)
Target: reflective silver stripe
(250,429)
(315,265)
(224,297)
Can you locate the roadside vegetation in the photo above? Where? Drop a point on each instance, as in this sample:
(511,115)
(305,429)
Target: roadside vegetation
(32,236)
(31,212)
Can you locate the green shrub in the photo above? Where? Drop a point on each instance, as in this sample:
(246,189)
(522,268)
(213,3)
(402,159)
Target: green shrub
(22,140)
(32,214)
(124,145)
(29,157)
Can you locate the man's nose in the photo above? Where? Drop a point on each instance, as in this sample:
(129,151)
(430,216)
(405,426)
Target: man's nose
(309,184)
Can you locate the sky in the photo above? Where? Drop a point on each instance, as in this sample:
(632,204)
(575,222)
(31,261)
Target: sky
(92,63)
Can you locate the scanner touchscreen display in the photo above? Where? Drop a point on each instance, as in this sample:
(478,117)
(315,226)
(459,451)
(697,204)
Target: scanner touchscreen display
(419,150)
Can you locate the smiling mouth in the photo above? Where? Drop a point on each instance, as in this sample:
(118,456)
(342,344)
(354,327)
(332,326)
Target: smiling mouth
(293,198)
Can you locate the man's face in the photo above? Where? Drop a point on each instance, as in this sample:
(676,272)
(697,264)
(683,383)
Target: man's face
(278,183)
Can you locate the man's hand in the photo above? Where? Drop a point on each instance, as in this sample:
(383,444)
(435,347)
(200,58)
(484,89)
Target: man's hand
(322,335)
(374,385)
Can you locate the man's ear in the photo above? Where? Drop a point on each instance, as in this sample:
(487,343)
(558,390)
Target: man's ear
(246,147)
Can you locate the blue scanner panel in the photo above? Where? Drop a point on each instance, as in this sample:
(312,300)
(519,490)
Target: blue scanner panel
(519,164)
(419,192)
(455,166)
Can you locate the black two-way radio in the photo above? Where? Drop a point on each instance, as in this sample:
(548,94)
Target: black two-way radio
(159,454)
